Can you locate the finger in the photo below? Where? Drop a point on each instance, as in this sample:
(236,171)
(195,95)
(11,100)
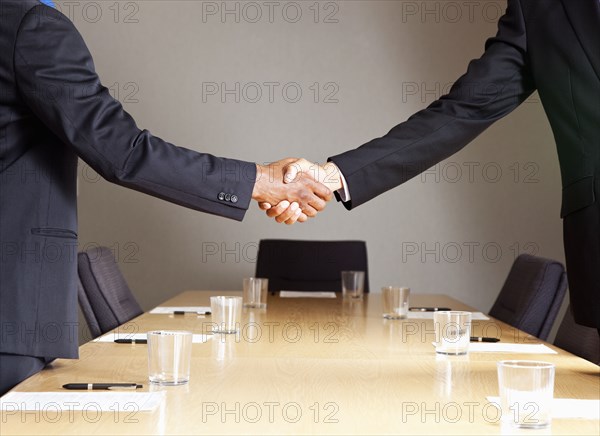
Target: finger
(309,211)
(278,210)
(288,213)
(302,218)
(319,194)
(265,206)
(322,191)
(317,204)
(312,199)
(294,218)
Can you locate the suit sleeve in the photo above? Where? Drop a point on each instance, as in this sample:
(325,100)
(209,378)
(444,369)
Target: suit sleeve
(491,88)
(56,77)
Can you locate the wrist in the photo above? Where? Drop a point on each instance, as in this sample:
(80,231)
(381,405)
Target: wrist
(333,179)
(258,190)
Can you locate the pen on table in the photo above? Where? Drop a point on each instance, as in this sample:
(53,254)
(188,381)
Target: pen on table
(428,309)
(183,312)
(100,386)
(483,339)
(131,341)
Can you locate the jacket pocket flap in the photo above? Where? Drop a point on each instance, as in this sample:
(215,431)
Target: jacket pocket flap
(577,195)
(54,232)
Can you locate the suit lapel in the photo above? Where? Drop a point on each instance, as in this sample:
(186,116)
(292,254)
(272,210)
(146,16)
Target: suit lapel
(584,16)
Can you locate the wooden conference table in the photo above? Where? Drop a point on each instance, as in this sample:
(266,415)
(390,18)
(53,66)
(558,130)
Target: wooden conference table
(308,366)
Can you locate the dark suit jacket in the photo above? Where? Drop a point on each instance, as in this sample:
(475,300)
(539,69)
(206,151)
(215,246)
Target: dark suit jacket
(549,45)
(53,109)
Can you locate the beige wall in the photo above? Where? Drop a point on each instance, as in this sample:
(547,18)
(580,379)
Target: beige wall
(385,60)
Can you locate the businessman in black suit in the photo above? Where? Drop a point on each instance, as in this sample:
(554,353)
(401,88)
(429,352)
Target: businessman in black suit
(549,45)
(53,109)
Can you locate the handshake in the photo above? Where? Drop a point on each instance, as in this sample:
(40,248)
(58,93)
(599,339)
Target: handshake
(292,190)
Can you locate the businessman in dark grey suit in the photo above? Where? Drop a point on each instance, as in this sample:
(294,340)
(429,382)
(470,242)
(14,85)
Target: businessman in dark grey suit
(53,109)
(549,45)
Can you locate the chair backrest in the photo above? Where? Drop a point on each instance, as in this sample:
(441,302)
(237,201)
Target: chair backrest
(578,339)
(309,265)
(532,295)
(105,299)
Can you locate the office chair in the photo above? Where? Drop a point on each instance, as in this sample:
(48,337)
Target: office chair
(532,295)
(309,265)
(104,297)
(578,339)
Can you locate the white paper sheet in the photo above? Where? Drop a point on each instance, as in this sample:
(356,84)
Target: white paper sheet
(110,337)
(306,294)
(429,315)
(500,347)
(569,408)
(168,310)
(83,400)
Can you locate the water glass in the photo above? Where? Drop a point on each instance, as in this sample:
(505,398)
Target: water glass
(353,284)
(395,302)
(169,357)
(226,314)
(526,392)
(452,332)
(255,292)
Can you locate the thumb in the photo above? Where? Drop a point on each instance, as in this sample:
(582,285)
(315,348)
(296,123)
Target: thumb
(291,172)
(264,206)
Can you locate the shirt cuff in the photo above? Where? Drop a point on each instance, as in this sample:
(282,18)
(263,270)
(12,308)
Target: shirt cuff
(343,192)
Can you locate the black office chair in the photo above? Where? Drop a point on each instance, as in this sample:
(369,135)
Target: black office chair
(532,295)
(578,339)
(104,297)
(309,265)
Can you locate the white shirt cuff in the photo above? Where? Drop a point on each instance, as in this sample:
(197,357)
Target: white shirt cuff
(344,193)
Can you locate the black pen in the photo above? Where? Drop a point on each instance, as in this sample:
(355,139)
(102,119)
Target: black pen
(131,341)
(483,339)
(428,309)
(100,386)
(183,312)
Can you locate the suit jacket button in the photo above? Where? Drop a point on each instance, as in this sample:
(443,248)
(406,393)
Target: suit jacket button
(234,199)
(228,197)
(221,196)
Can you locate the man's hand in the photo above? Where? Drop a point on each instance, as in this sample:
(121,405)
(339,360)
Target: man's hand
(328,174)
(300,197)
(299,169)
